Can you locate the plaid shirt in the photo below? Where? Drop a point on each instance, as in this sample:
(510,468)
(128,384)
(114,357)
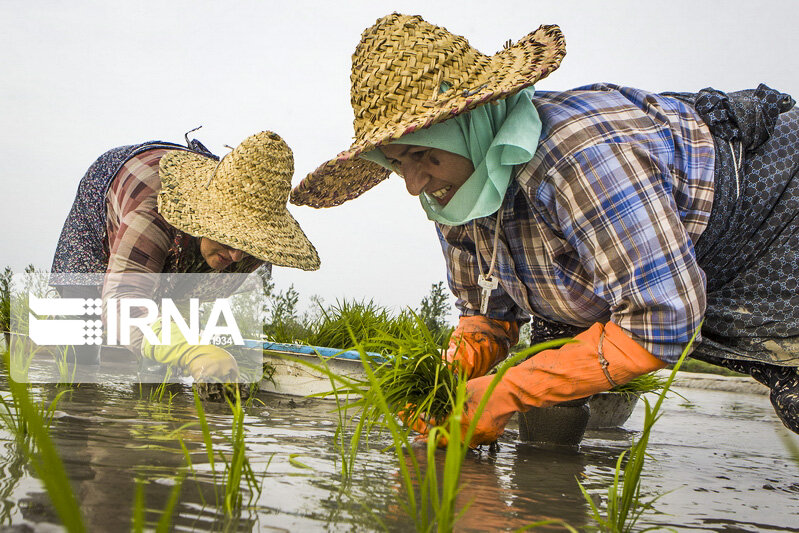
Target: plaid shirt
(138,236)
(139,239)
(599,226)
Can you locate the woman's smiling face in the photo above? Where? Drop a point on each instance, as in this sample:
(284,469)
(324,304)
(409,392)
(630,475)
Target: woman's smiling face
(436,172)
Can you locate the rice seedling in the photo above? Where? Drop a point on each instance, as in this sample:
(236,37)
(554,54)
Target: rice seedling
(410,468)
(415,382)
(137,520)
(434,507)
(443,499)
(458,443)
(365,403)
(417,378)
(348,323)
(347,458)
(13,417)
(43,454)
(31,420)
(165,521)
(625,504)
(286,331)
(159,432)
(331,326)
(157,394)
(21,354)
(237,467)
(66,369)
(209,448)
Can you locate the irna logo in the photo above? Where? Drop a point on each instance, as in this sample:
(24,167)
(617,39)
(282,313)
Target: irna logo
(124,314)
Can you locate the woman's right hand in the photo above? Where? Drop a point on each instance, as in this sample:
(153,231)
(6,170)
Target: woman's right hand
(479,342)
(211,364)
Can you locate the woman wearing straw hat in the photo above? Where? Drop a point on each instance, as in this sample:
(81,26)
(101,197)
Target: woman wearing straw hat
(165,208)
(601,212)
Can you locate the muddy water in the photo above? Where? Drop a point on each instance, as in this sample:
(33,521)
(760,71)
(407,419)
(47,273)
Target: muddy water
(718,460)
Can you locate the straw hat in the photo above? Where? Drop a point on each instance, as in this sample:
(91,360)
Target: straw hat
(398,69)
(239,201)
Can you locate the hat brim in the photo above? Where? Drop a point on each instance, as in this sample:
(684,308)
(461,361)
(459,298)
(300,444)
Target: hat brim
(507,72)
(337,181)
(275,237)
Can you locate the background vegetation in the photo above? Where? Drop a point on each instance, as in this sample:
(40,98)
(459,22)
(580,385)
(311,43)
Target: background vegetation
(285,322)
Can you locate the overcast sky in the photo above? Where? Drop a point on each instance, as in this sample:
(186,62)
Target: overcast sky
(80,77)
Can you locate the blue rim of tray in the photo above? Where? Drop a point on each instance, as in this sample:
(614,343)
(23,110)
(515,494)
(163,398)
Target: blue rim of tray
(301,349)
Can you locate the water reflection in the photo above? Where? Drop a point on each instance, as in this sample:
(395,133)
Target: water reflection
(503,491)
(12,469)
(109,437)
(712,462)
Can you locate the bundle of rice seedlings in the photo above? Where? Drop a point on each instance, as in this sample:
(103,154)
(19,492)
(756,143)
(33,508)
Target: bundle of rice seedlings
(352,323)
(651,382)
(348,323)
(417,378)
(412,379)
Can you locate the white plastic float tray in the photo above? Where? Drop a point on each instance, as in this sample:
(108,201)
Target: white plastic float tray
(294,378)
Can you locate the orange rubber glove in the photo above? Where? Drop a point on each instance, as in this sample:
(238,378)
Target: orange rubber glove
(478,343)
(570,372)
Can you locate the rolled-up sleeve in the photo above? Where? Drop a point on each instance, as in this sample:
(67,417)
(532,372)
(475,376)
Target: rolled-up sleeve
(138,236)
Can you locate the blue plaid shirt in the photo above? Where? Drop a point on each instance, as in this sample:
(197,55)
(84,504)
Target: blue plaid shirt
(599,226)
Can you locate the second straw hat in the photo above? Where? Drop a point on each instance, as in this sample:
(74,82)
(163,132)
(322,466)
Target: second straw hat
(409,74)
(239,201)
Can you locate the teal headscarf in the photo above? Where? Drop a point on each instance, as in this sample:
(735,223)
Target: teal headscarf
(495,137)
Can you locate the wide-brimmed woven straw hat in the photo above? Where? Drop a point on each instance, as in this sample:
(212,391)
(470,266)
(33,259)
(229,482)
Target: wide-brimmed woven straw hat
(239,201)
(398,69)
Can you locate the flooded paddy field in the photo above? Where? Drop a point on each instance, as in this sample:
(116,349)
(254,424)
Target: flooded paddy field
(718,460)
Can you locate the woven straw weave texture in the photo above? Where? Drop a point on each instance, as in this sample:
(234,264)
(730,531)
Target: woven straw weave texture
(239,202)
(408,74)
